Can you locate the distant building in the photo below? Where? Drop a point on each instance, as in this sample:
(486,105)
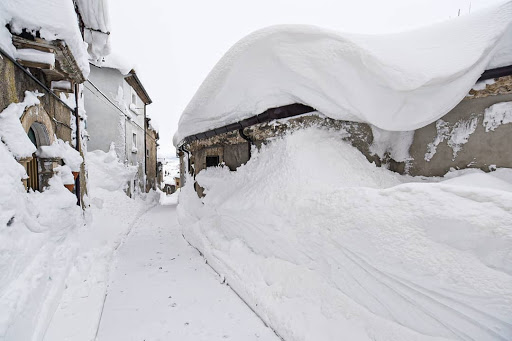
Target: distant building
(116,113)
(152,168)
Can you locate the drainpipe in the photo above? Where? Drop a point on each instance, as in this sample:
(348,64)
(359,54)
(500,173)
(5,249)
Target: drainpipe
(145,150)
(247,138)
(182,148)
(78,143)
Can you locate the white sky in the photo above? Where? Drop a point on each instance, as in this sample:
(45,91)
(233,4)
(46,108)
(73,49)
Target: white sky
(175,44)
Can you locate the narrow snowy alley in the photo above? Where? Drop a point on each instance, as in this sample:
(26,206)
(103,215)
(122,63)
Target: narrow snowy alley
(161,289)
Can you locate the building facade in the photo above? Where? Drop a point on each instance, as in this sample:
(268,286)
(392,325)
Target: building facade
(152,168)
(49,70)
(474,134)
(116,113)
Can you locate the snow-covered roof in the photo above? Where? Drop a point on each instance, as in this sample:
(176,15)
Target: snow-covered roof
(115,61)
(53,19)
(399,82)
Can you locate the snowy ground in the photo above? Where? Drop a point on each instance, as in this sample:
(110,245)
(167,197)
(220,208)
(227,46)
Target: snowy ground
(121,272)
(161,289)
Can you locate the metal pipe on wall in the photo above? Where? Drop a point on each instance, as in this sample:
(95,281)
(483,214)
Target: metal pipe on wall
(78,142)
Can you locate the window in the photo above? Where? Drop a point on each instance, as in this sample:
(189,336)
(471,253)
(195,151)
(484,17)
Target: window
(212,161)
(134,97)
(134,140)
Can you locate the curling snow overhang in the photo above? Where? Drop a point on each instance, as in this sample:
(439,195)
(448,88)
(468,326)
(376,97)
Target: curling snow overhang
(397,82)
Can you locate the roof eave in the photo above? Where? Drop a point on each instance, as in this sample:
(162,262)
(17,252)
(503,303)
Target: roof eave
(136,84)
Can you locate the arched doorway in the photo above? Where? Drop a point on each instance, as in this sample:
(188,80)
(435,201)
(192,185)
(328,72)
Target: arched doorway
(38,135)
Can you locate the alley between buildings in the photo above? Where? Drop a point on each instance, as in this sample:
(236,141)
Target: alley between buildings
(161,289)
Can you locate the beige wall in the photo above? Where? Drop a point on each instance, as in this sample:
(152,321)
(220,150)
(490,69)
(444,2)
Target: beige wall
(151,159)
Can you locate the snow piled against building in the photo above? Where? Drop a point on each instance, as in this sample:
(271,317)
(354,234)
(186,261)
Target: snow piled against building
(326,246)
(111,215)
(54,19)
(108,172)
(54,257)
(412,78)
(36,248)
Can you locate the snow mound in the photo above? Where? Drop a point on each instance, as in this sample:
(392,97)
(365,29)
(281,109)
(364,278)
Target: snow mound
(35,249)
(62,150)
(411,78)
(11,130)
(326,246)
(107,172)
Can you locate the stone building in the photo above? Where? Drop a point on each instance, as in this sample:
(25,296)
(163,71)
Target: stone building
(116,113)
(54,70)
(152,168)
(474,134)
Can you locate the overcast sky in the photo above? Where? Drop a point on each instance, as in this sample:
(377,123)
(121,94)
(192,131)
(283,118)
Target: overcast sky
(175,44)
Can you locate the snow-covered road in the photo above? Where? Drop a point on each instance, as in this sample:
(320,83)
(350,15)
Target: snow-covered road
(161,289)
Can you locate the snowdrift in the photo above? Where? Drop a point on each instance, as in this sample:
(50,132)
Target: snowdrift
(326,246)
(107,172)
(54,257)
(36,249)
(396,82)
(111,215)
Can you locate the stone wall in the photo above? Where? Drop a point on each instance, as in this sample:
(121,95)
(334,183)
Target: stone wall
(151,159)
(497,86)
(54,115)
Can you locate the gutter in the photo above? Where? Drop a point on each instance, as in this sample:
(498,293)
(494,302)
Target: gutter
(78,142)
(496,73)
(268,115)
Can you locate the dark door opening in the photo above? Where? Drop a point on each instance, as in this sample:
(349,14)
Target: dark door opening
(32,166)
(212,161)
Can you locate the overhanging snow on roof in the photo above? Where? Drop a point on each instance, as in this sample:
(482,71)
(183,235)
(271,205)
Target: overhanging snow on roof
(53,20)
(397,82)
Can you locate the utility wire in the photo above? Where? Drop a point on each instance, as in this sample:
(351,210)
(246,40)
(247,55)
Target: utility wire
(115,106)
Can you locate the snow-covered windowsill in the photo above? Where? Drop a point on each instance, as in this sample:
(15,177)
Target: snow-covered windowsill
(134,150)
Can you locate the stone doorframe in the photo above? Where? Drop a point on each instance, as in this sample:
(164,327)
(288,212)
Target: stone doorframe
(37,118)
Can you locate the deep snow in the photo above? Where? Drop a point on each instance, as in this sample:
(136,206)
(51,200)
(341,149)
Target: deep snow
(412,78)
(326,246)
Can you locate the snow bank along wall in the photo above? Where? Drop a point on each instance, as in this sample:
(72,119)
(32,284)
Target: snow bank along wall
(51,118)
(474,134)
